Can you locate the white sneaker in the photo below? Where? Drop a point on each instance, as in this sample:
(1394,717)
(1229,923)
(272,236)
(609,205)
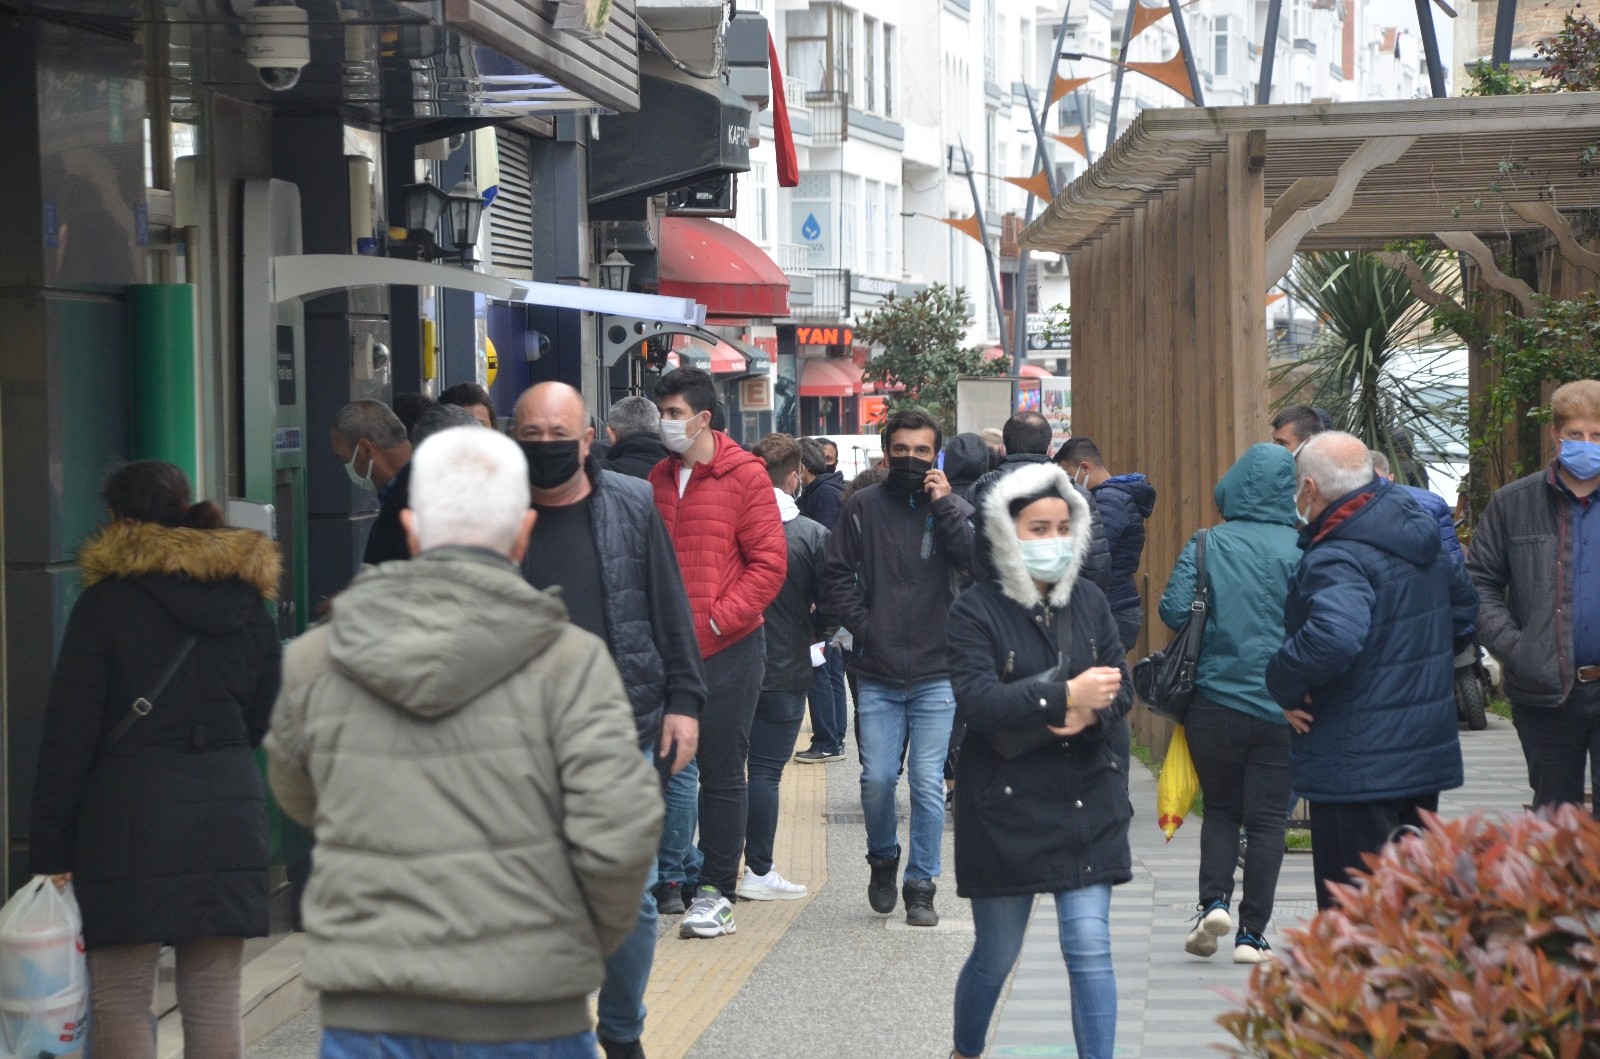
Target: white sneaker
(709,915)
(1212,923)
(768,887)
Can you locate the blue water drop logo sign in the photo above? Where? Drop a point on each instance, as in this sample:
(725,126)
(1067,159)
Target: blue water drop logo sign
(811,231)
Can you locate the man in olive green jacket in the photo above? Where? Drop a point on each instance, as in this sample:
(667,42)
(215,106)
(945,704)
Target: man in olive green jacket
(467,758)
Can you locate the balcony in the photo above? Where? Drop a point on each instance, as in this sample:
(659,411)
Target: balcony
(794,93)
(793,258)
(830,296)
(830,117)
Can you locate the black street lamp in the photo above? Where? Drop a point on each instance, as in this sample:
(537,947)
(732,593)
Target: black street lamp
(424,205)
(615,271)
(463,212)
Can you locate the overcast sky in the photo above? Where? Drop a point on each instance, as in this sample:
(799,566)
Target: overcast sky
(1403,13)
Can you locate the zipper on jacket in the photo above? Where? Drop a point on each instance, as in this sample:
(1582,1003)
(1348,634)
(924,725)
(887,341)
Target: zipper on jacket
(1011,661)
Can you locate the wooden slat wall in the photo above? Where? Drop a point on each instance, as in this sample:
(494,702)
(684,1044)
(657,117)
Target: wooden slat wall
(1170,356)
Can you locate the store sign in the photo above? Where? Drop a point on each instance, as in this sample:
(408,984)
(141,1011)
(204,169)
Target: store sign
(755,395)
(1049,332)
(873,410)
(824,336)
(812,227)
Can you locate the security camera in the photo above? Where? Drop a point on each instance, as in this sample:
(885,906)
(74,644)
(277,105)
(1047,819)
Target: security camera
(277,42)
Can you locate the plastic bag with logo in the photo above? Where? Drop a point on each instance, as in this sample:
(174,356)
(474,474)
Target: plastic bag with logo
(44,979)
(1178,785)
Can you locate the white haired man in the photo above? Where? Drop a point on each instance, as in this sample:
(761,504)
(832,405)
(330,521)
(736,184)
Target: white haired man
(1365,673)
(467,756)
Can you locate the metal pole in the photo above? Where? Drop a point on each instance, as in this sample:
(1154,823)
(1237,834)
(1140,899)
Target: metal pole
(1269,52)
(1430,47)
(1505,22)
(1188,54)
(1116,92)
(988,251)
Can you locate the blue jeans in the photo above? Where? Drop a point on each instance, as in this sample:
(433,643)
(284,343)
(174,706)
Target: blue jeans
(772,736)
(1084,919)
(886,714)
(349,1044)
(830,711)
(678,859)
(621,1007)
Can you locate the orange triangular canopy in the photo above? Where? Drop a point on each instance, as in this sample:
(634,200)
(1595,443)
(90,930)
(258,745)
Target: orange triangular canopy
(1145,17)
(1062,85)
(971,226)
(1077,141)
(1171,73)
(1037,185)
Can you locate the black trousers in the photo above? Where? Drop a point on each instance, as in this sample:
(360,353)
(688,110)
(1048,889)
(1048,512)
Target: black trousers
(733,686)
(1561,745)
(1243,764)
(1342,831)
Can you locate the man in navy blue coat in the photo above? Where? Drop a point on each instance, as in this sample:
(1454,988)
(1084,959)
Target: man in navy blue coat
(1365,671)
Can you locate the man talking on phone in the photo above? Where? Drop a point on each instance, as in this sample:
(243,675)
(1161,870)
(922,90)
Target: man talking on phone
(887,577)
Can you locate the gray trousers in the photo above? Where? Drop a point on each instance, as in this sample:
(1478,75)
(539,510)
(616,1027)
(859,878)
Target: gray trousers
(122,987)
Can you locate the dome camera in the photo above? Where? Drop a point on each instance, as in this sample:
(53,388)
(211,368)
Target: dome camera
(277,42)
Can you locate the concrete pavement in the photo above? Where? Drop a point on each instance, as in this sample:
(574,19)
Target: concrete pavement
(826,976)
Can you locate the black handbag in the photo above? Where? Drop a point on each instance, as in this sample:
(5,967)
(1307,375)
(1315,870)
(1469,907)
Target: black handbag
(1165,680)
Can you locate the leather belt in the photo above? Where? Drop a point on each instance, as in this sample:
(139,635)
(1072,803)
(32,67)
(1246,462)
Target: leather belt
(1589,674)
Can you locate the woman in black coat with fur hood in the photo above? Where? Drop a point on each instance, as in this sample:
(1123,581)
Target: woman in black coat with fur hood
(159,821)
(1041,800)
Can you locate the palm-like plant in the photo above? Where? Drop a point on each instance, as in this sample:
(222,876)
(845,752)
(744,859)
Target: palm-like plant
(1371,366)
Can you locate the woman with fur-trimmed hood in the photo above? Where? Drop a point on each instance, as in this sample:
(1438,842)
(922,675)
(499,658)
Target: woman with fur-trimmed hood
(159,821)
(1041,801)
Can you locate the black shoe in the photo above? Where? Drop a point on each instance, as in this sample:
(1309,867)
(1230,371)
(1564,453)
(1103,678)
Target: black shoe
(669,899)
(816,756)
(619,1050)
(880,890)
(918,894)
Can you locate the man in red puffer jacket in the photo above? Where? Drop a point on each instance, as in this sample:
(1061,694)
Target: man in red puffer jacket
(718,504)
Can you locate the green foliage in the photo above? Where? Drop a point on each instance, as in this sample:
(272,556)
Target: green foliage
(1478,938)
(1367,366)
(1572,57)
(1490,80)
(1525,355)
(1058,326)
(921,338)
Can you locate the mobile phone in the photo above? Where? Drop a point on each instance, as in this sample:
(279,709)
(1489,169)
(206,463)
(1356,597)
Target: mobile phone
(939,463)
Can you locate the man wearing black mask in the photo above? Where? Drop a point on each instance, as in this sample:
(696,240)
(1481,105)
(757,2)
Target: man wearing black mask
(599,539)
(887,578)
(830,454)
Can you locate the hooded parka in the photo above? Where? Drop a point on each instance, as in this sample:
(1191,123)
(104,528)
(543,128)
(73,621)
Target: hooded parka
(1056,818)
(165,832)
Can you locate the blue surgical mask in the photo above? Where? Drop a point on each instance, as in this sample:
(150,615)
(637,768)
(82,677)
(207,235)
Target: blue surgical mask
(363,482)
(1581,459)
(1047,558)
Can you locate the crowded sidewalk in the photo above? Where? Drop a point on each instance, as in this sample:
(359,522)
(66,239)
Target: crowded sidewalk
(826,976)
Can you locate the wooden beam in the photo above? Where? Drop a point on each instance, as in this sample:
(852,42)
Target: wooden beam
(1546,214)
(1483,257)
(1419,280)
(1376,152)
(1302,192)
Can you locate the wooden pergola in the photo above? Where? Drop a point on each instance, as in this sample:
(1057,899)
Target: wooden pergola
(1178,233)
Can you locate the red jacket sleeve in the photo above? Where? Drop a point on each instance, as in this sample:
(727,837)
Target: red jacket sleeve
(758,533)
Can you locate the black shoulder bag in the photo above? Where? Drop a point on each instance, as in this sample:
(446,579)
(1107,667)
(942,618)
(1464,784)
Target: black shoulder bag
(146,702)
(1165,680)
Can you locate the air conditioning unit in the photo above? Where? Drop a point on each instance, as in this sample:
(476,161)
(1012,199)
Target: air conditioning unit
(1055,265)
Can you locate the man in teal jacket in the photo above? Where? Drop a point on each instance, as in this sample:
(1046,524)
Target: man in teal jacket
(1238,736)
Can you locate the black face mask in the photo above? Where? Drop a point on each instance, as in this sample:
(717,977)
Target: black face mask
(829,468)
(550,463)
(906,474)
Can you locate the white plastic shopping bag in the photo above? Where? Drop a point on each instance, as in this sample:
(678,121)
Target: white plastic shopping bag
(44,979)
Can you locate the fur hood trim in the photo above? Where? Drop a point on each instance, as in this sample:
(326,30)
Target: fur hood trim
(1000,531)
(146,549)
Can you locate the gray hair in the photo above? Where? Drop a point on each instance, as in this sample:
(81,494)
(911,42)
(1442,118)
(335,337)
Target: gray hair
(1380,462)
(371,421)
(469,488)
(634,415)
(1338,462)
(441,417)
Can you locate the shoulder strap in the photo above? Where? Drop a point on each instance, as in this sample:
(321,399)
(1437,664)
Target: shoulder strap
(1200,585)
(145,703)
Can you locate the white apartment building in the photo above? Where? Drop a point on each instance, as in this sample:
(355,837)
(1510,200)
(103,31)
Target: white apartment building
(883,94)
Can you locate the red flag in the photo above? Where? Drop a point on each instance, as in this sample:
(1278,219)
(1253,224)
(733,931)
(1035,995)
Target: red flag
(788,162)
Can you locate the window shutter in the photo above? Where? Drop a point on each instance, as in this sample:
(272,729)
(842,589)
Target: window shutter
(511,216)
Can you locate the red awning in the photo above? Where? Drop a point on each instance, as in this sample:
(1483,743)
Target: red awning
(831,378)
(1033,371)
(721,269)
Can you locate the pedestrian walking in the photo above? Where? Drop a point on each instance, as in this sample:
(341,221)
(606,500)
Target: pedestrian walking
(599,541)
(888,576)
(634,427)
(1434,504)
(1237,735)
(1365,672)
(1125,503)
(823,494)
(159,817)
(1041,798)
(716,500)
(793,625)
(470,762)
(375,448)
(1535,557)
(475,399)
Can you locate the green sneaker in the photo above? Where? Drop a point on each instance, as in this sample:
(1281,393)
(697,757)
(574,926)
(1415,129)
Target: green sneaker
(710,915)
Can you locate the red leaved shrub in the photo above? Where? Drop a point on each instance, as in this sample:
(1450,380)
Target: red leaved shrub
(1478,938)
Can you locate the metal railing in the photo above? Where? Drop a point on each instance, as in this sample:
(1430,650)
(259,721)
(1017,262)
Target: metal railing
(794,92)
(830,117)
(830,295)
(793,258)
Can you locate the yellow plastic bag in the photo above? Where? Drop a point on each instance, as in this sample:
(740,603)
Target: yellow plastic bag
(1178,785)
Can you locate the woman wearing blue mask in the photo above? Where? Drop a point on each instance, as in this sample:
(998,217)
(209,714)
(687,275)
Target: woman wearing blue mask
(1041,802)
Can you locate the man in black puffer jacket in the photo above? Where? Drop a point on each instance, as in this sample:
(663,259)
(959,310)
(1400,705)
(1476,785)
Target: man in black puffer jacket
(1125,502)
(823,494)
(634,426)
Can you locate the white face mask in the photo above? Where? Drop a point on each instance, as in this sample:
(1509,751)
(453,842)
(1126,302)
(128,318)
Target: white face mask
(1303,515)
(675,435)
(363,482)
(1046,558)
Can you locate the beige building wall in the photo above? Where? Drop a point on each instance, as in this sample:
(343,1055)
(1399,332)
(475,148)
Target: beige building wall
(1474,29)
